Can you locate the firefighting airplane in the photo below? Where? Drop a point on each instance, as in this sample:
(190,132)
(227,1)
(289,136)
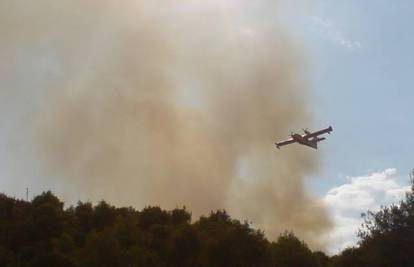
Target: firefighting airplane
(308,139)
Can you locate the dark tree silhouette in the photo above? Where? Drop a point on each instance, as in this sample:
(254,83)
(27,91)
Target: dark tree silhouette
(386,237)
(289,251)
(43,233)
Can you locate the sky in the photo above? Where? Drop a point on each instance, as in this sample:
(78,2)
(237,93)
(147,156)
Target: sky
(360,66)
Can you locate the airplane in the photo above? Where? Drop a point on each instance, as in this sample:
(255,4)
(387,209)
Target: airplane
(308,139)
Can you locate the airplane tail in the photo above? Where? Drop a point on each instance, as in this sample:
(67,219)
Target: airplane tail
(314,142)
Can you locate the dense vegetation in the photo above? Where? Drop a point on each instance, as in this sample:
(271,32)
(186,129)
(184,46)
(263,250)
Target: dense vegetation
(43,233)
(387,237)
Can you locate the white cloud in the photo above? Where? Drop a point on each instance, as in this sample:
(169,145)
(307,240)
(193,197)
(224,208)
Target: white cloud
(346,203)
(330,31)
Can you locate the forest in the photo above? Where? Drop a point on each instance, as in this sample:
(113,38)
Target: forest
(42,232)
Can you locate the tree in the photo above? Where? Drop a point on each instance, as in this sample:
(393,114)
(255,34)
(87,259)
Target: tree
(289,251)
(321,258)
(153,216)
(43,233)
(183,247)
(46,221)
(350,257)
(7,257)
(387,236)
(228,242)
(101,249)
(104,215)
(180,216)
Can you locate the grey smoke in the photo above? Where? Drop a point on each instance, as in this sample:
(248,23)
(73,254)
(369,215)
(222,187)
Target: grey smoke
(163,103)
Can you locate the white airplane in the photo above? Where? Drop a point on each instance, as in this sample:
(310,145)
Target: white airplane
(308,139)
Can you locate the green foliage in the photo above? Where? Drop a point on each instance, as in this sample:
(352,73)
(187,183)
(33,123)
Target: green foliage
(6,257)
(350,257)
(43,233)
(289,251)
(387,237)
(153,216)
(321,258)
(101,248)
(228,242)
(184,247)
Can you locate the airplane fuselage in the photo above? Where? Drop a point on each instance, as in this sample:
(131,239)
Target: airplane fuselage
(305,141)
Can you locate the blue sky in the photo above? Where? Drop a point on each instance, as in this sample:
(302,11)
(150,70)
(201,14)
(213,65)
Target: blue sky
(361,66)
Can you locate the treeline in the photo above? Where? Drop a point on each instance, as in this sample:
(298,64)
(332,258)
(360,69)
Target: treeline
(42,233)
(386,237)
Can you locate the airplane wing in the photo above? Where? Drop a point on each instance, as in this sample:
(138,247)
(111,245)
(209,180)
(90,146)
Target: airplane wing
(317,133)
(286,142)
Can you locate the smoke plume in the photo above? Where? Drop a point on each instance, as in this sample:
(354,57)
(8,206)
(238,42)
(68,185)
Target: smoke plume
(166,103)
